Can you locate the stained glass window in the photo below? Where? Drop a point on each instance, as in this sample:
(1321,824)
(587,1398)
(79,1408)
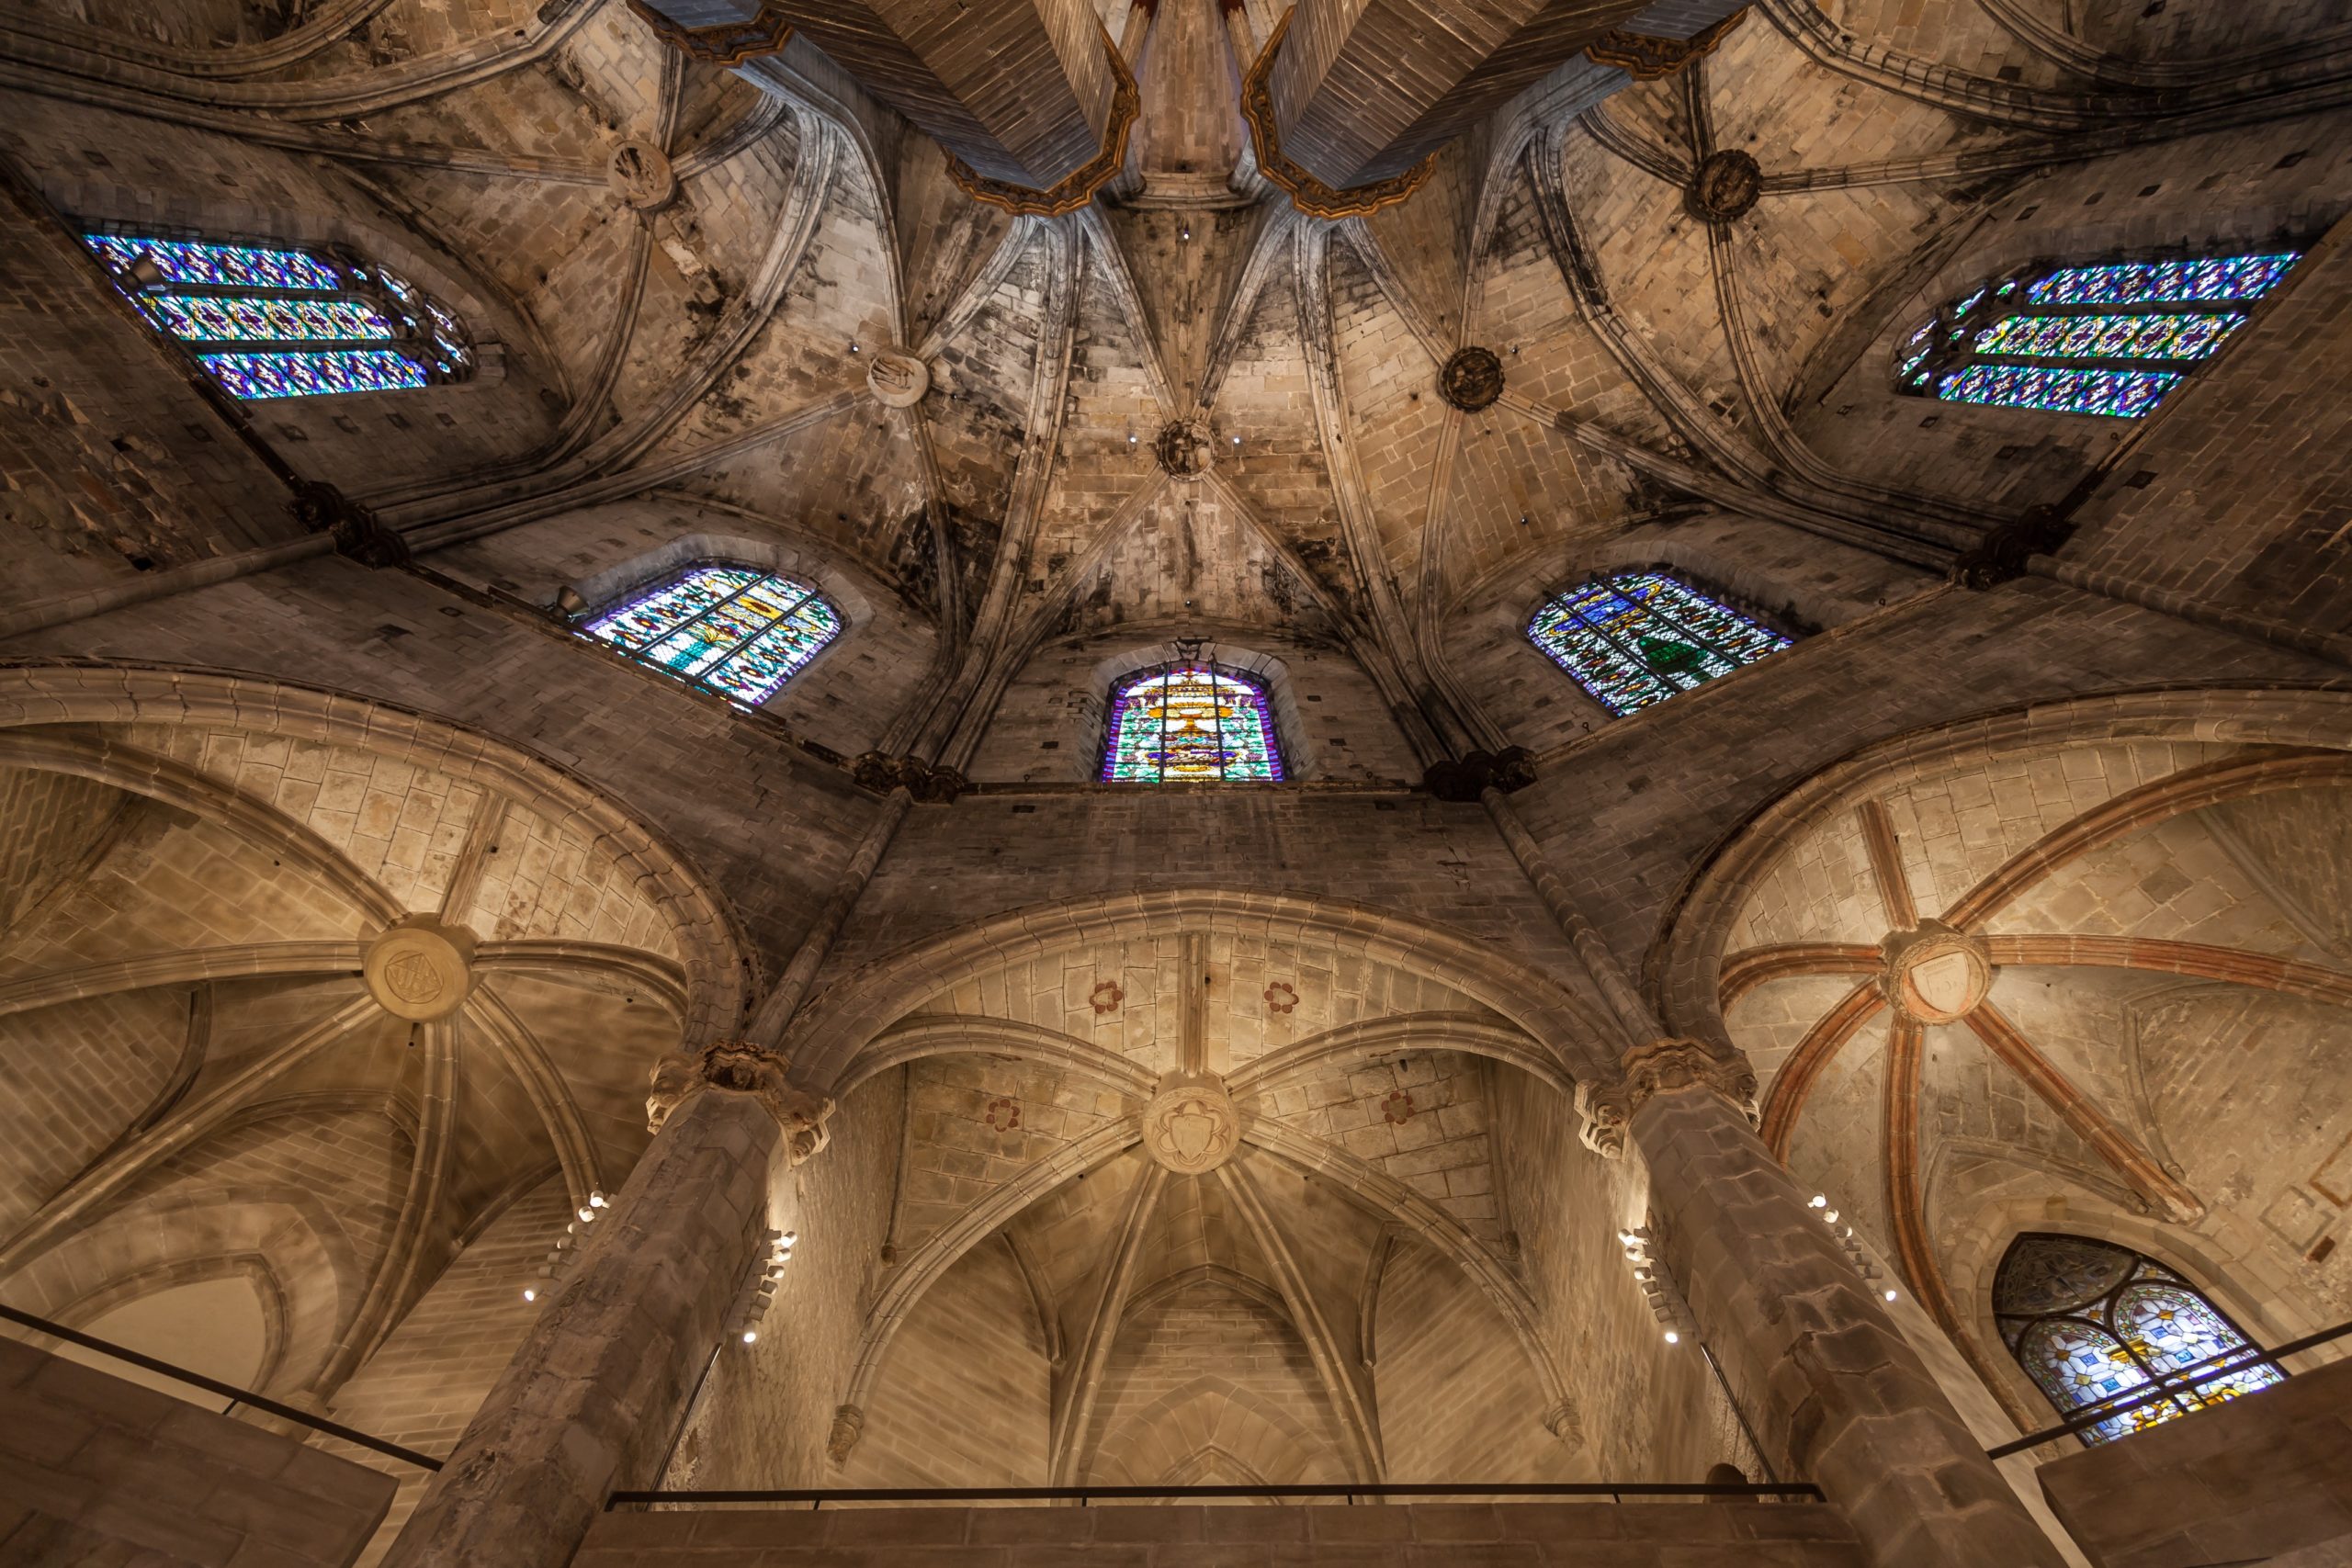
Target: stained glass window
(274,322)
(1637,638)
(2093,1323)
(2112,339)
(1190,721)
(734,629)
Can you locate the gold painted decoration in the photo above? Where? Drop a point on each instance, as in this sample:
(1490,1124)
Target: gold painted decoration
(729,43)
(1306,193)
(1646,59)
(1076,188)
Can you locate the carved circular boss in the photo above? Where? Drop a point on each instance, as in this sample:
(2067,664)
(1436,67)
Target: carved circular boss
(1472,379)
(420,969)
(1191,1125)
(1935,973)
(1725,186)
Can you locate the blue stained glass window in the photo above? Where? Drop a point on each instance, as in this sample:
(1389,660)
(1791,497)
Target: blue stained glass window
(1637,638)
(271,322)
(2093,1323)
(2112,339)
(1190,722)
(734,629)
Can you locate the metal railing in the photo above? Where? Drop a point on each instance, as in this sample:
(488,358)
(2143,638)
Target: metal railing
(817,1497)
(228,1391)
(2178,1385)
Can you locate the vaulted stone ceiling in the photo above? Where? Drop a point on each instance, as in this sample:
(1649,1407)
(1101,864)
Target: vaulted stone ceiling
(687,273)
(690,271)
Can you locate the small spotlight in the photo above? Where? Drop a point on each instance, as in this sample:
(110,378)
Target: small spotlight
(1819,1201)
(530,1295)
(1891,1295)
(587,1215)
(852,348)
(1236,441)
(596,1201)
(1672,1337)
(750,1334)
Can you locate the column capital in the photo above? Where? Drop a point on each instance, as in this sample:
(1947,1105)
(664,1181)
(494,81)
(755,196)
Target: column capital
(730,38)
(739,1067)
(1661,1067)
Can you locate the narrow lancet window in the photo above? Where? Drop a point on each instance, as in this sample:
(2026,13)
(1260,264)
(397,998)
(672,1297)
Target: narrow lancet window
(266,322)
(734,629)
(1190,722)
(2112,339)
(2097,1326)
(1639,637)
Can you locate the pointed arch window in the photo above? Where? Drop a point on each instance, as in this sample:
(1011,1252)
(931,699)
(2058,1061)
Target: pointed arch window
(1639,637)
(273,321)
(2108,339)
(2095,1324)
(732,629)
(1191,721)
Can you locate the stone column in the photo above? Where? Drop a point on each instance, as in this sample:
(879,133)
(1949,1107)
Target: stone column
(1809,1346)
(590,1401)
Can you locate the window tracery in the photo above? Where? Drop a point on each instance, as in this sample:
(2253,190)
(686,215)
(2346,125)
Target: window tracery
(734,629)
(2092,1323)
(269,322)
(2108,339)
(1639,637)
(1189,722)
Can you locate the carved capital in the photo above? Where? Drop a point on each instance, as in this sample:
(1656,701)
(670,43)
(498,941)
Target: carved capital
(729,43)
(1564,1423)
(1662,1067)
(933,786)
(1512,768)
(2002,554)
(322,508)
(1646,58)
(742,1068)
(849,1425)
(1306,193)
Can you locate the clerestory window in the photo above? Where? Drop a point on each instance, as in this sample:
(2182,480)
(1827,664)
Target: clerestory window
(271,322)
(1639,637)
(734,629)
(2110,339)
(1191,721)
(2095,1324)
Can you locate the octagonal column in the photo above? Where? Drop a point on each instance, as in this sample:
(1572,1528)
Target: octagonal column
(1809,1346)
(592,1399)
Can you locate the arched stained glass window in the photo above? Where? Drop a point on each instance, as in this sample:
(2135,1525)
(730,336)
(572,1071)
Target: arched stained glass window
(735,629)
(274,322)
(2094,1324)
(2112,339)
(1639,637)
(1190,721)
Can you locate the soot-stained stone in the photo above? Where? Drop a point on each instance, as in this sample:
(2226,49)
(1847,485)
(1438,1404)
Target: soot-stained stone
(1725,186)
(1472,379)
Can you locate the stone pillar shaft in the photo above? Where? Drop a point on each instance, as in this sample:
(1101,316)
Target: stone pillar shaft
(1813,1353)
(590,1400)
(1019,89)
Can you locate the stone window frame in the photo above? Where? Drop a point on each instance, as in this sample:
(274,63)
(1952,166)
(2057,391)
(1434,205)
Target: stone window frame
(1704,582)
(2156,1379)
(1093,714)
(644,574)
(338,242)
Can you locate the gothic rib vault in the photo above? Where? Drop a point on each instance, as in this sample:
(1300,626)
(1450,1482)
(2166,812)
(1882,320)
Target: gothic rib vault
(1223,1138)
